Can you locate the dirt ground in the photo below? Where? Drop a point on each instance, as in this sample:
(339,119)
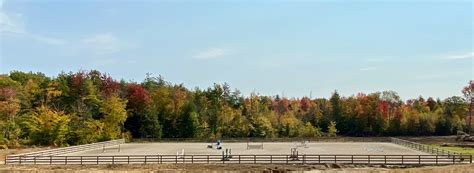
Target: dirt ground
(372,148)
(229,168)
(240,148)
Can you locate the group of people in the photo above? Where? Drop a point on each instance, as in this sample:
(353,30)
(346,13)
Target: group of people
(218,145)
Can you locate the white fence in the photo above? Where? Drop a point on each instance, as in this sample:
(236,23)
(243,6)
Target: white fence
(72,149)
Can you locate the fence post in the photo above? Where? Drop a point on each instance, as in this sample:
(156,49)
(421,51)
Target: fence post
(470,158)
(454,157)
(239,159)
(286,159)
(128,159)
(113,160)
(436,159)
(271,158)
(65,160)
(97,160)
(208,159)
(145,159)
(254,159)
(34,157)
(161,159)
(176,159)
(319,158)
(419,159)
(385,159)
(20,160)
(50,160)
(402,159)
(352,159)
(368,159)
(304,158)
(192,158)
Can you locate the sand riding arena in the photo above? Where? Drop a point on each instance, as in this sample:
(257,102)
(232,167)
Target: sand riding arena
(390,151)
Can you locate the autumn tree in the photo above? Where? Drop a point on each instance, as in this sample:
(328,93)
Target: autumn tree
(309,131)
(9,108)
(114,116)
(90,106)
(138,107)
(332,130)
(468,92)
(47,127)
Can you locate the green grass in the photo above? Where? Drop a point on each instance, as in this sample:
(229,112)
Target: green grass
(457,149)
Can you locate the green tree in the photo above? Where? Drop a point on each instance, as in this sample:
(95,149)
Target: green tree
(337,111)
(261,127)
(188,122)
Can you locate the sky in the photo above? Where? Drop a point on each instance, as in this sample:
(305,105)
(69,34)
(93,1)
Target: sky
(290,48)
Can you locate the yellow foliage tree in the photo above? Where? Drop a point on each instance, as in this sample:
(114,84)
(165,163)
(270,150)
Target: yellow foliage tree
(114,115)
(47,126)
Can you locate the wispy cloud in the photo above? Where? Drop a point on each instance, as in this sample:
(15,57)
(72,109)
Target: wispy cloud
(375,60)
(469,55)
(14,25)
(47,40)
(211,53)
(10,23)
(105,43)
(368,69)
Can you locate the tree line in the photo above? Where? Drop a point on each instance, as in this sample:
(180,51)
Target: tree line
(90,106)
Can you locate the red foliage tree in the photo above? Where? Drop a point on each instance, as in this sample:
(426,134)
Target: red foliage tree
(108,85)
(138,97)
(305,104)
(283,106)
(383,108)
(77,82)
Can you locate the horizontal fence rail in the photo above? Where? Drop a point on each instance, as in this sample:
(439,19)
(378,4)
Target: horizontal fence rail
(423,148)
(312,139)
(72,149)
(245,159)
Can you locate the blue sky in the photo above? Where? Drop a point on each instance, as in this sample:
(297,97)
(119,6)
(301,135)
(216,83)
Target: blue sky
(271,47)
